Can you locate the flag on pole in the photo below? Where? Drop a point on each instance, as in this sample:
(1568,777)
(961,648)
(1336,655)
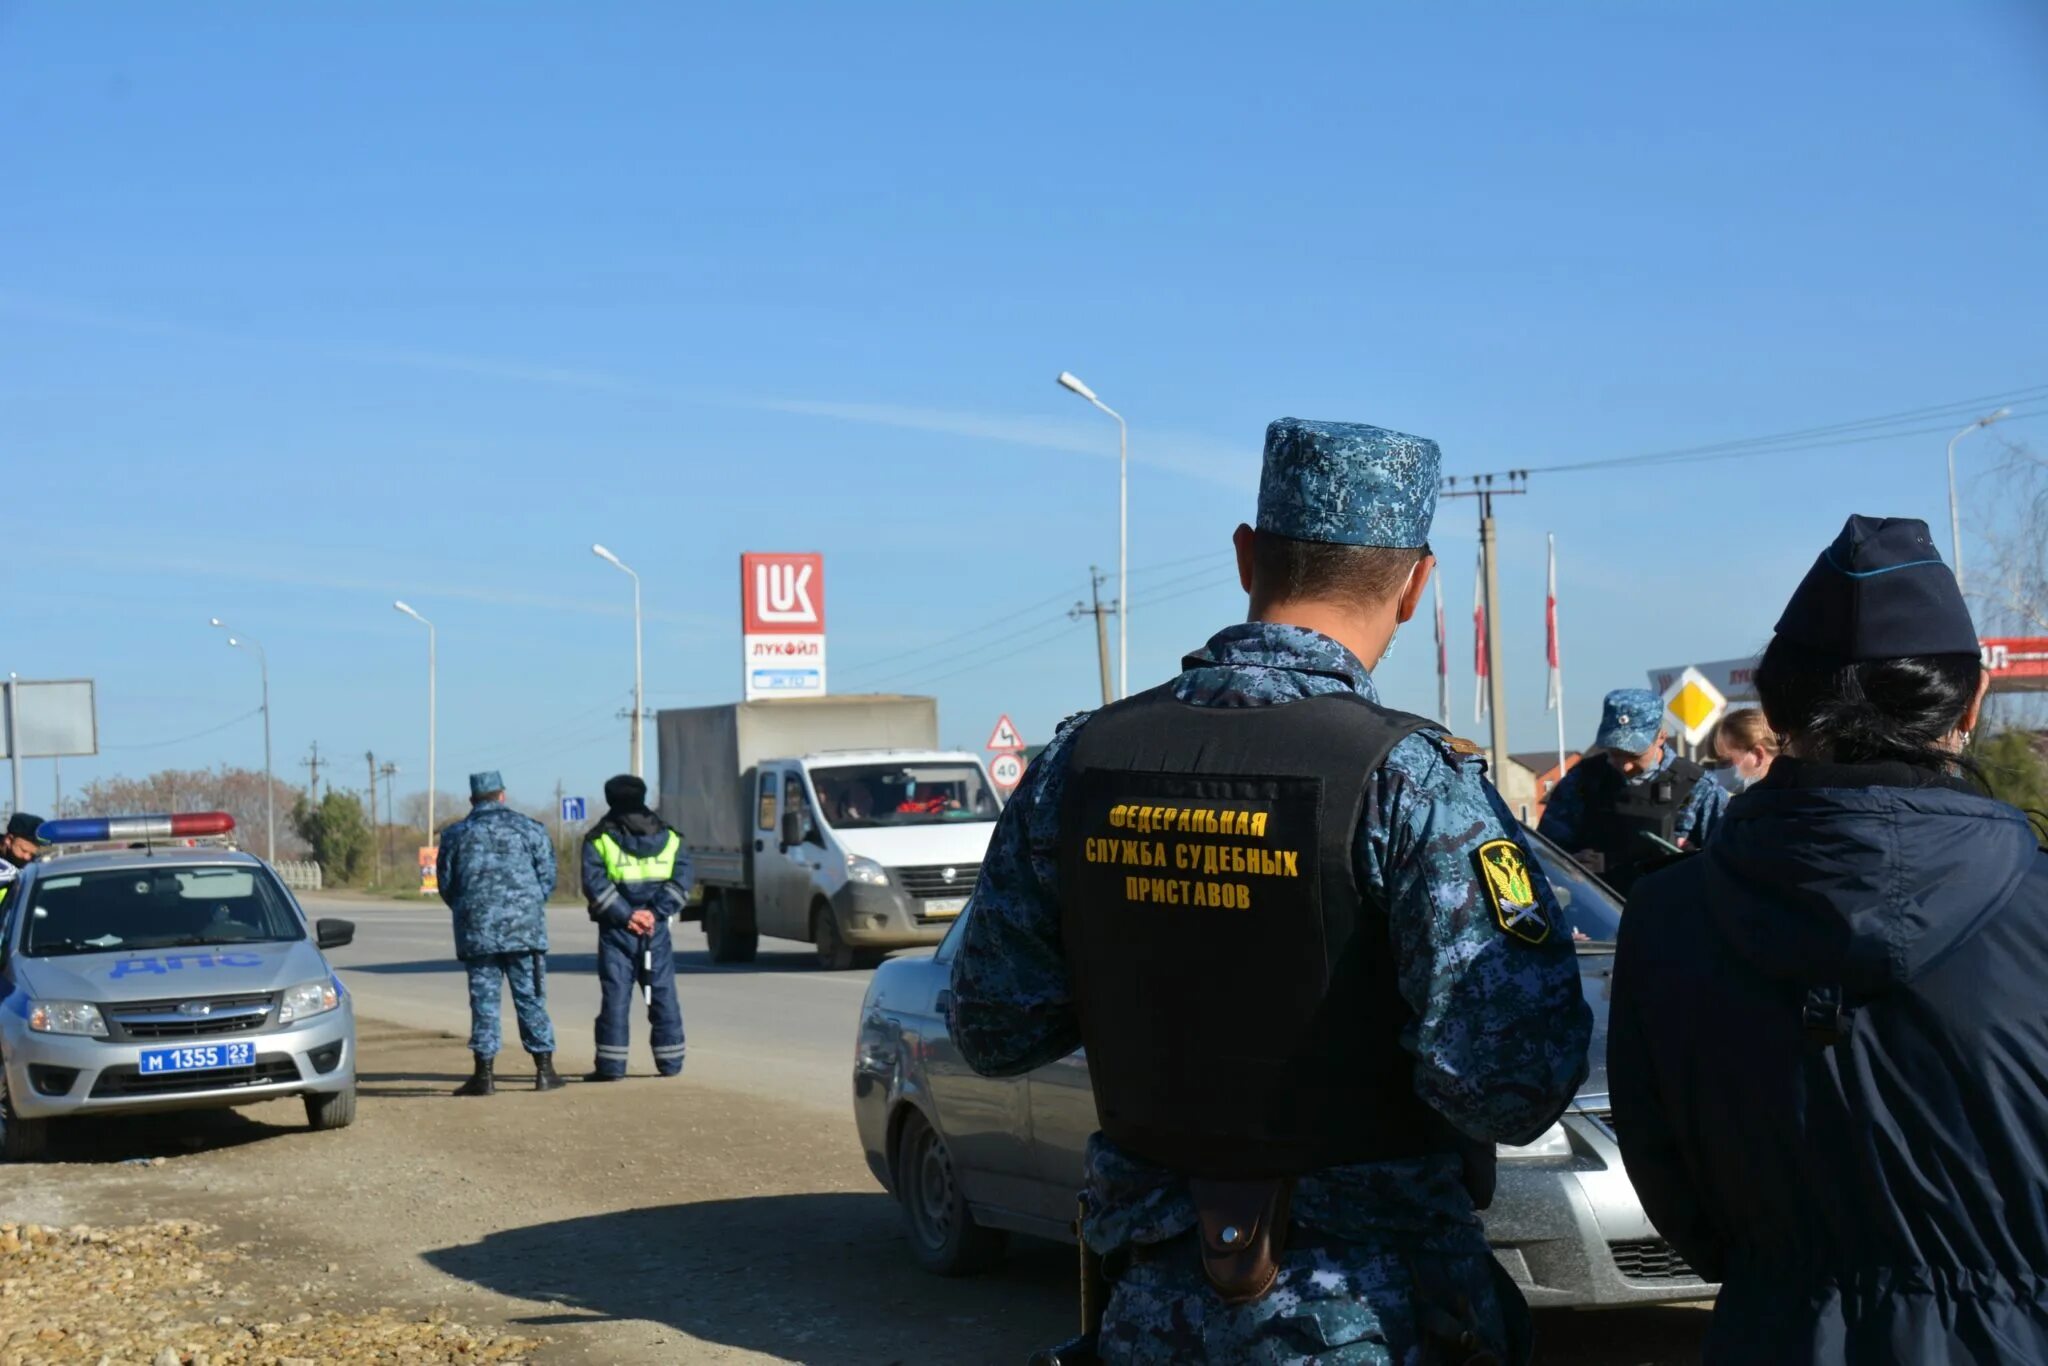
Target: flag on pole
(1443,658)
(1479,698)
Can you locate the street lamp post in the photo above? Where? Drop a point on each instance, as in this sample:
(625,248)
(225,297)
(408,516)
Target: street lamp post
(431,712)
(269,783)
(1955,521)
(1072,383)
(617,563)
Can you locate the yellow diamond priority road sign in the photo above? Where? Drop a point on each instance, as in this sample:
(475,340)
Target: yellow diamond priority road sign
(1693,704)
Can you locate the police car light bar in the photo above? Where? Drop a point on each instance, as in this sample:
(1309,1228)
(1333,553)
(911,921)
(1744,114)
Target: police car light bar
(102,829)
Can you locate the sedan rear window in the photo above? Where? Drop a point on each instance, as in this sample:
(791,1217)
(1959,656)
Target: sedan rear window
(155,908)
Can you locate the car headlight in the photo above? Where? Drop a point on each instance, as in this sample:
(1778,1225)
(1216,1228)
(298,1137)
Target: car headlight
(1554,1143)
(866,870)
(308,998)
(67,1017)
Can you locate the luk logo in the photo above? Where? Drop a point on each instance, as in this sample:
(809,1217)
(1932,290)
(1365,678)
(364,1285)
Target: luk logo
(784,594)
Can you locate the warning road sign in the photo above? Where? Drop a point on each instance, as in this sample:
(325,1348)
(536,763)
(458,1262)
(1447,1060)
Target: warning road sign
(1694,703)
(1006,771)
(1005,736)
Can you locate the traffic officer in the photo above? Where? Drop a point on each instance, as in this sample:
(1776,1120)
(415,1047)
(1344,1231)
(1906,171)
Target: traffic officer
(17,848)
(636,878)
(1628,808)
(1829,1046)
(495,870)
(1316,971)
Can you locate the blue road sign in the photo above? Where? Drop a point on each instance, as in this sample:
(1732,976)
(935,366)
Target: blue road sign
(572,808)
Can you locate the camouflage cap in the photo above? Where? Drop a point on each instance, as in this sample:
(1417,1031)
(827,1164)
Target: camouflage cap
(483,784)
(1344,483)
(1630,720)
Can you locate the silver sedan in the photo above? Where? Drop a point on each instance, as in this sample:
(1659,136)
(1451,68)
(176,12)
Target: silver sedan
(973,1159)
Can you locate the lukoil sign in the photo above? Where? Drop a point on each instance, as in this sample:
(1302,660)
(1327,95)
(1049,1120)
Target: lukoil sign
(782,611)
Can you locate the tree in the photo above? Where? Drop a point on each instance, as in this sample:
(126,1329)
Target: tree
(237,791)
(2014,768)
(337,833)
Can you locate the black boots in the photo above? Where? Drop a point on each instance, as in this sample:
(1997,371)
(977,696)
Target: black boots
(479,1083)
(604,1076)
(545,1078)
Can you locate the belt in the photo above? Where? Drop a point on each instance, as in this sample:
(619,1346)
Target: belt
(1183,1246)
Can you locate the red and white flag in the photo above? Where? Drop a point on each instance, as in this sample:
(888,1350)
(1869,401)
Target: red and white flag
(1479,697)
(1443,658)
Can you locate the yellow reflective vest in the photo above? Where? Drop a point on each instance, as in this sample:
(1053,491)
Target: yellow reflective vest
(621,866)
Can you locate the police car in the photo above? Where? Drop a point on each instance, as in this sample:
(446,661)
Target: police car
(152,974)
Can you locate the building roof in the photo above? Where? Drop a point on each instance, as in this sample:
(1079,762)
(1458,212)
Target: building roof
(1540,760)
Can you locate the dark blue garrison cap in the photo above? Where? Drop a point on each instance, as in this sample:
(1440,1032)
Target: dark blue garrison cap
(1344,483)
(483,784)
(1881,591)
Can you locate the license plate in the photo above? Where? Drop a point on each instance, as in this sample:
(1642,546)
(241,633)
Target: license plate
(940,907)
(200,1058)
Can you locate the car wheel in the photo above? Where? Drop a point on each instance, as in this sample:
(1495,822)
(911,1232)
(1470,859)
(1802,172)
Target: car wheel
(834,953)
(331,1109)
(943,1235)
(729,930)
(21,1140)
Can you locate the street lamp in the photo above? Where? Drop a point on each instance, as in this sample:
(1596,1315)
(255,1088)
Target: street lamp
(401,607)
(1955,523)
(269,782)
(618,563)
(1072,384)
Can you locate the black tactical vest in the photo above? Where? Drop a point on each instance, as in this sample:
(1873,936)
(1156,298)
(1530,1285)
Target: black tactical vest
(1618,813)
(1237,994)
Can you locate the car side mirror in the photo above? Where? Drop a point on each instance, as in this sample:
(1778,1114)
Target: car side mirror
(333,934)
(792,828)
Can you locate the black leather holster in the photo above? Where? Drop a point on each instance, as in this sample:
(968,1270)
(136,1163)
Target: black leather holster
(1242,1227)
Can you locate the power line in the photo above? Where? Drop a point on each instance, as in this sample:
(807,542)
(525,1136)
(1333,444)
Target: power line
(195,735)
(1022,642)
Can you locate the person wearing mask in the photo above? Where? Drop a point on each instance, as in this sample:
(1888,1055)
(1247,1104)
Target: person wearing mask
(1746,745)
(496,870)
(17,847)
(1316,971)
(1630,807)
(636,879)
(1829,1037)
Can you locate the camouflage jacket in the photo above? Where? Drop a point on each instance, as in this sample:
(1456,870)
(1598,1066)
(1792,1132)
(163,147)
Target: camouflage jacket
(1566,806)
(1500,1027)
(496,870)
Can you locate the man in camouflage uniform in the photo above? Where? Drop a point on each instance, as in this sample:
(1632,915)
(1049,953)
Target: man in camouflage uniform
(1433,1009)
(1607,808)
(496,870)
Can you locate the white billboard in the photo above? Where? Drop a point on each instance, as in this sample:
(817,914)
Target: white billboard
(54,718)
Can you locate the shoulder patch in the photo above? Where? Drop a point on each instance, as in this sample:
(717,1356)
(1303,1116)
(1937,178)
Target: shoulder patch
(1459,745)
(1511,890)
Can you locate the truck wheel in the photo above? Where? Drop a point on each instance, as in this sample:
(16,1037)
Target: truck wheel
(21,1140)
(729,930)
(944,1238)
(331,1110)
(834,953)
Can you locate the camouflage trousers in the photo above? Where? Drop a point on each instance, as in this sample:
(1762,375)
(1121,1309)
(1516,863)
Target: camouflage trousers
(1346,1305)
(527,975)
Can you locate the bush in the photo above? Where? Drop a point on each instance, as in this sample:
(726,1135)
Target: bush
(338,835)
(2014,769)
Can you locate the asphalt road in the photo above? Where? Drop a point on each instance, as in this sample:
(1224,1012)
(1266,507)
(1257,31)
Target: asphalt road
(777,1027)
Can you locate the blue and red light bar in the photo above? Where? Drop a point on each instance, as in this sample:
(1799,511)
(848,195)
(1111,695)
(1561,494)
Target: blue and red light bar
(105,829)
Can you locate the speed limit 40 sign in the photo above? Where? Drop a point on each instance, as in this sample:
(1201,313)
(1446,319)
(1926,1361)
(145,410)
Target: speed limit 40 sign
(1006,771)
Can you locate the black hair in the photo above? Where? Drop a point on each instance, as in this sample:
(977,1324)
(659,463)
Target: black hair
(1287,570)
(1869,710)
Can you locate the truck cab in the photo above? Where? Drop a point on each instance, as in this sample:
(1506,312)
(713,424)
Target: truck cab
(864,851)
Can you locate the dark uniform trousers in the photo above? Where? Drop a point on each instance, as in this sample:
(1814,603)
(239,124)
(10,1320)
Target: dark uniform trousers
(618,957)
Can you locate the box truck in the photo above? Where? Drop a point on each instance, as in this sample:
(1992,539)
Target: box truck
(835,820)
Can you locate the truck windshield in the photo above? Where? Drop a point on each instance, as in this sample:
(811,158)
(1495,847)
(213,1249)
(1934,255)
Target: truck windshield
(154,908)
(862,796)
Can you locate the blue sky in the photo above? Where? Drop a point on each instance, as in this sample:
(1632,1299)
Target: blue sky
(305,309)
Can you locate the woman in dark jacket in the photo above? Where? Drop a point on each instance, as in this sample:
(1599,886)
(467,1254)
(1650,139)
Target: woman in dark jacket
(1829,1046)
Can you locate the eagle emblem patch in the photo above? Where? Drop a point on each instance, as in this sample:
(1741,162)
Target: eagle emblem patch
(1511,891)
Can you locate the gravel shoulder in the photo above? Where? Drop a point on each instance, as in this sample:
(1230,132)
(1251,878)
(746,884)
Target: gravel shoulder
(647,1221)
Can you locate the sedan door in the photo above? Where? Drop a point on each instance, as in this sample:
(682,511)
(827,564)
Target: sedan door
(1062,1120)
(986,1121)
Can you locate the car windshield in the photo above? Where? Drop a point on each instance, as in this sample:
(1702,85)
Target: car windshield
(1589,908)
(155,908)
(863,796)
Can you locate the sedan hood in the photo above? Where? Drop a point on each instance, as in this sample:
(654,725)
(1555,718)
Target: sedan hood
(156,974)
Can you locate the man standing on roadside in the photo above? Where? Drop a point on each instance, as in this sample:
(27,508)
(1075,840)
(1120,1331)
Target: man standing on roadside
(496,870)
(636,878)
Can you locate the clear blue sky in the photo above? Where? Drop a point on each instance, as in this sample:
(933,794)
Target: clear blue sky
(303,309)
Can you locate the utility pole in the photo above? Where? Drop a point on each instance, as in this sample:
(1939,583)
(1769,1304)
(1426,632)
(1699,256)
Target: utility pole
(558,813)
(313,764)
(1497,688)
(387,771)
(1100,611)
(376,834)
